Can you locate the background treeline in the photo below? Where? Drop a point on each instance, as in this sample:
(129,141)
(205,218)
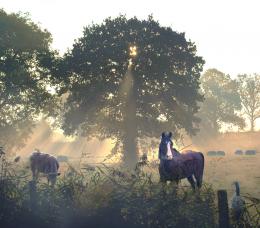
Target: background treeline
(229,103)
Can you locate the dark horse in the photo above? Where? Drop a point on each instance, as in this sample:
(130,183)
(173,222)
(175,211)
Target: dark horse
(44,163)
(175,166)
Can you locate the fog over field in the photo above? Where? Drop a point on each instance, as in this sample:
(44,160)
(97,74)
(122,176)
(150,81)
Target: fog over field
(220,171)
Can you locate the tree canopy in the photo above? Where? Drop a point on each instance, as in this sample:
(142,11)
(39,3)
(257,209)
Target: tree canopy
(127,79)
(24,80)
(249,90)
(222,103)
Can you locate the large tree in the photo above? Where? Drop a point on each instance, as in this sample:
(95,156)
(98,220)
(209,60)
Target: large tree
(24,81)
(222,103)
(249,89)
(128,79)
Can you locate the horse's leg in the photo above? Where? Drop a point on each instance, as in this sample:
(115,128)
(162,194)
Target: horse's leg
(162,179)
(176,186)
(192,182)
(198,174)
(163,183)
(162,173)
(35,174)
(198,180)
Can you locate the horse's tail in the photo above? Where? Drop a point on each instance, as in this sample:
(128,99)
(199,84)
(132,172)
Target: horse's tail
(203,163)
(201,170)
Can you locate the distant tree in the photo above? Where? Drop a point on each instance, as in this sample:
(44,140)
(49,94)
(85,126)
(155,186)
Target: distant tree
(24,80)
(221,105)
(249,90)
(130,79)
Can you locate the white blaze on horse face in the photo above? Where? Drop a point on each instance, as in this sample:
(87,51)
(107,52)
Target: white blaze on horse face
(169,151)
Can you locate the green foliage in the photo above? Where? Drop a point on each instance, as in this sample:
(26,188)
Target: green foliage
(249,90)
(24,79)
(108,98)
(222,103)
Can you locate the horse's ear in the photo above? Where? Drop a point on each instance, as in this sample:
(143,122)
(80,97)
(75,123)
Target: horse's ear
(163,134)
(170,134)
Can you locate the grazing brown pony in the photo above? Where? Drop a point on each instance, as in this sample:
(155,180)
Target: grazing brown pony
(175,166)
(44,163)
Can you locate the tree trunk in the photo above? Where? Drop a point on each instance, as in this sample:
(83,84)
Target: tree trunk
(130,157)
(252,124)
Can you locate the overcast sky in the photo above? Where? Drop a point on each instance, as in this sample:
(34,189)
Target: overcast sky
(226,32)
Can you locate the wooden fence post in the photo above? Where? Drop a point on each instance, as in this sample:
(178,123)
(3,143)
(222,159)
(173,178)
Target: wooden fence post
(33,195)
(223,209)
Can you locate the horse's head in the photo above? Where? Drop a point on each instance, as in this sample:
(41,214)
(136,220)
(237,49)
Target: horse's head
(51,169)
(52,177)
(165,150)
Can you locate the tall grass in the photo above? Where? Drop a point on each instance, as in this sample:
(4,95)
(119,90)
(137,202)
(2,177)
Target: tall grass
(103,197)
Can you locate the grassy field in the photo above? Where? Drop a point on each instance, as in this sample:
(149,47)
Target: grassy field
(221,172)
(105,195)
